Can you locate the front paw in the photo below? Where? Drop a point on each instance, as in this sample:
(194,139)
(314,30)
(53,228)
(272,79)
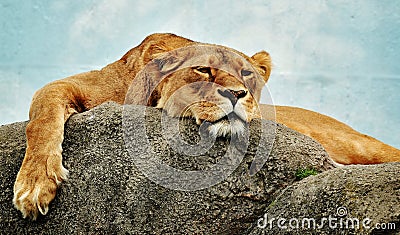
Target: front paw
(35,187)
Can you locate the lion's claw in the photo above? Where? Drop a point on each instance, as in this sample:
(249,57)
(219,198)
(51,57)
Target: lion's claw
(34,191)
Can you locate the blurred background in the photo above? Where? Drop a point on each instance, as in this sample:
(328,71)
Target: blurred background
(337,57)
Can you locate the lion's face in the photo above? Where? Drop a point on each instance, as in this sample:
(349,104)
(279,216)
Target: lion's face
(212,84)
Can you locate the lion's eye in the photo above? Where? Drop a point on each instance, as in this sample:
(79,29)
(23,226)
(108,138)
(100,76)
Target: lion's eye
(245,73)
(206,70)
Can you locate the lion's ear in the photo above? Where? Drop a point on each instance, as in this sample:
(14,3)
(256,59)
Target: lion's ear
(153,50)
(163,56)
(263,61)
(168,63)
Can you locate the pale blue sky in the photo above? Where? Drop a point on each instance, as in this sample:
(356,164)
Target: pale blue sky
(336,57)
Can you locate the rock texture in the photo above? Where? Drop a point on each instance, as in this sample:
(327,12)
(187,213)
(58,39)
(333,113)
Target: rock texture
(107,193)
(346,200)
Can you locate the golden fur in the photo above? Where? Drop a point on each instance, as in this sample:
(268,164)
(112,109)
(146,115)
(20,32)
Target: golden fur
(42,171)
(344,144)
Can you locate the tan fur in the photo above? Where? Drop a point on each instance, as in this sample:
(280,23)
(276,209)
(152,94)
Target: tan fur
(42,171)
(344,144)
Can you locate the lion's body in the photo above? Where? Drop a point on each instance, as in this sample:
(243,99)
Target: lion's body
(344,144)
(42,170)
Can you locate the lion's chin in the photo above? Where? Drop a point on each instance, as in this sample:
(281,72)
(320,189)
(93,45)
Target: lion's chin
(228,126)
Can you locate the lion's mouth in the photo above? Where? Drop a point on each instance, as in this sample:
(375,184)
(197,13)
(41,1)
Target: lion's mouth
(230,117)
(228,125)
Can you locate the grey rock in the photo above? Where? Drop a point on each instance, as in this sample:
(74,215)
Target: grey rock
(347,200)
(108,193)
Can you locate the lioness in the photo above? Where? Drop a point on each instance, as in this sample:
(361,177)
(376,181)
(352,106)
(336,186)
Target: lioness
(42,170)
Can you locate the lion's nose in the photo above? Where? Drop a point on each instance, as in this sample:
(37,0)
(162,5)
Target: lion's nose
(232,95)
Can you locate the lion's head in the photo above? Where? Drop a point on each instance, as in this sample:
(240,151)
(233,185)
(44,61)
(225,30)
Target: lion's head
(213,84)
